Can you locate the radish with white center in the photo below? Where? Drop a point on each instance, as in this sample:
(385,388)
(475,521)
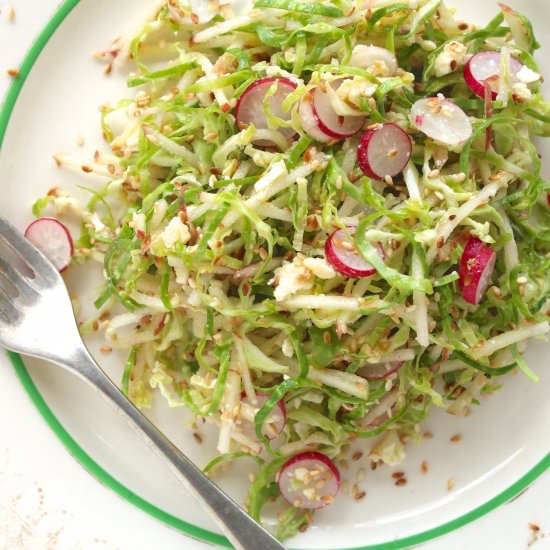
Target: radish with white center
(52,238)
(310,121)
(372,57)
(384,150)
(442,120)
(341,253)
(309,480)
(328,121)
(250,107)
(475,269)
(275,421)
(485,67)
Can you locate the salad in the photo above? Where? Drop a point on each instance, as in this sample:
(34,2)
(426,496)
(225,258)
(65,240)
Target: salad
(317,221)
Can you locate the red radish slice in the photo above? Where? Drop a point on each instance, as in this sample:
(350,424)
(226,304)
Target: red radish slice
(330,123)
(384,150)
(380,371)
(310,121)
(485,66)
(442,120)
(275,421)
(249,109)
(365,57)
(309,480)
(476,268)
(52,238)
(548,198)
(341,253)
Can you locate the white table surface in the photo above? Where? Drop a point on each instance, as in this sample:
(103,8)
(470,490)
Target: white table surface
(48,502)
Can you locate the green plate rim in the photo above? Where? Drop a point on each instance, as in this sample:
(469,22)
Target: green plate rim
(107,479)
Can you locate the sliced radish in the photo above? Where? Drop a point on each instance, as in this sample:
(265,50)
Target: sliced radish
(340,251)
(476,268)
(442,120)
(309,480)
(384,150)
(330,123)
(250,110)
(274,423)
(52,238)
(366,57)
(310,121)
(380,371)
(485,67)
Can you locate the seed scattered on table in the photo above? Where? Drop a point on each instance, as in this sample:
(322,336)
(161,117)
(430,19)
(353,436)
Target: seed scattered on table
(198,437)
(401,481)
(451,484)
(13,72)
(10,14)
(424,467)
(457,438)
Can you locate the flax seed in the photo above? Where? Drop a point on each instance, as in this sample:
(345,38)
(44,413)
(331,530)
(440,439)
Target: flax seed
(398,475)
(400,482)
(13,72)
(457,438)
(197,437)
(424,467)
(357,455)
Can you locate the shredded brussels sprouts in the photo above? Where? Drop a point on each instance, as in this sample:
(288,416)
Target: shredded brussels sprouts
(212,233)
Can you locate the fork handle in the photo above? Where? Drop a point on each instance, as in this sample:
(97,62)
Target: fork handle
(243,532)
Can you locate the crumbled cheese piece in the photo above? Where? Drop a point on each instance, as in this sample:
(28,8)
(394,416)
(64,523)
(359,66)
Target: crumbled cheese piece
(320,268)
(520,90)
(452,57)
(175,232)
(292,277)
(353,89)
(526,75)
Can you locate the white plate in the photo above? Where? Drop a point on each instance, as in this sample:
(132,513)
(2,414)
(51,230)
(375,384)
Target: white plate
(505,443)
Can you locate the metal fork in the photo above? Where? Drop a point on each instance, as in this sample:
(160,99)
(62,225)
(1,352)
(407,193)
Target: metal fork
(37,319)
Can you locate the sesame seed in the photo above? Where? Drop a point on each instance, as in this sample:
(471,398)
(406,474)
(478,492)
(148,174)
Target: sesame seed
(10,14)
(105,349)
(388,179)
(357,455)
